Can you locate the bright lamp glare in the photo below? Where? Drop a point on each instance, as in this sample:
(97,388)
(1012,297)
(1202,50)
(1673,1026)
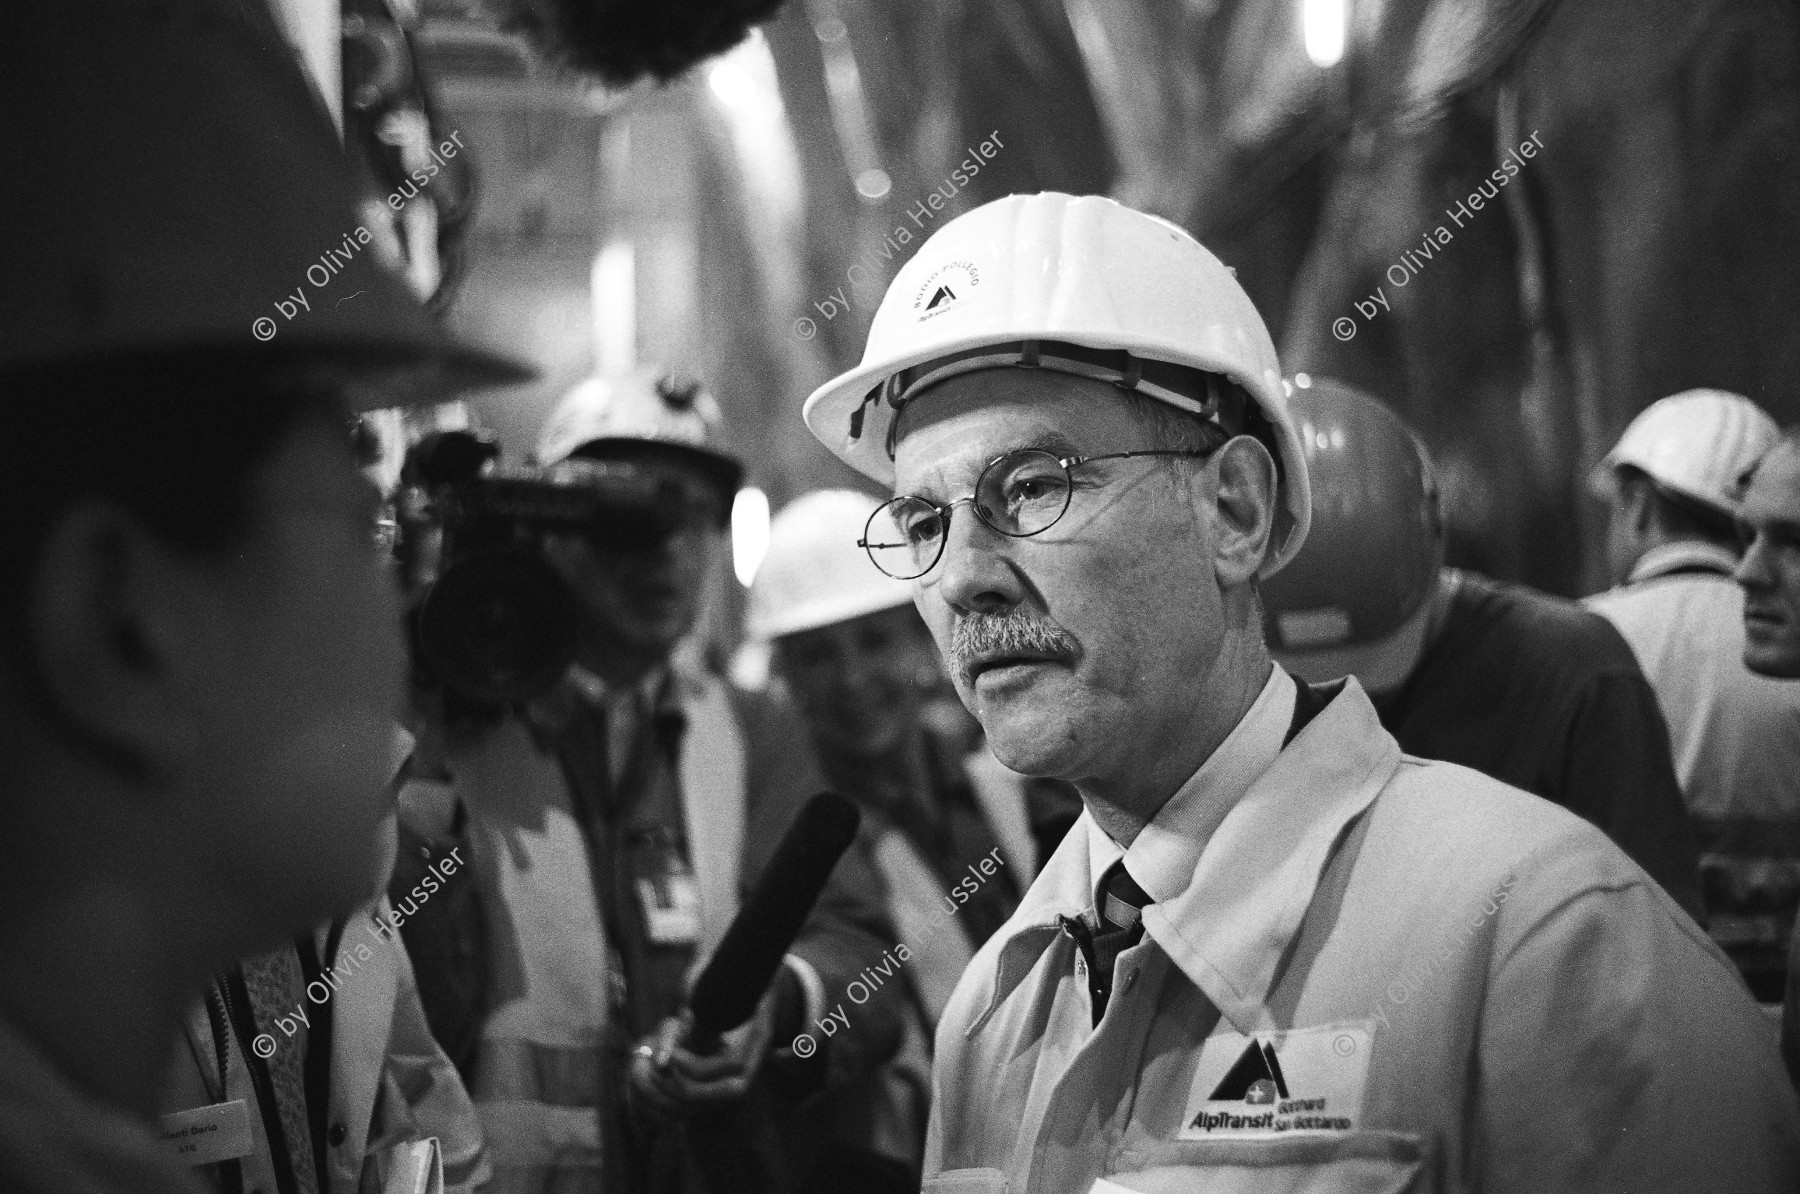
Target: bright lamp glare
(749,533)
(731,84)
(1323,24)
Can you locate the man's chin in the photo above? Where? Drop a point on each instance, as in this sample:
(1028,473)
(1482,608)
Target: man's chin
(1778,661)
(1025,740)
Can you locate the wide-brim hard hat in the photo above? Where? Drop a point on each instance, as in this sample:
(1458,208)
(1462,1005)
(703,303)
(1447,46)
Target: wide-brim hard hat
(1699,443)
(815,574)
(1060,269)
(171,179)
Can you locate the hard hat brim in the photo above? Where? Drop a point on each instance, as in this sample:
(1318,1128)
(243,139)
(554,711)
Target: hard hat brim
(1381,666)
(1603,483)
(828,411)
(815,615)
(369,374)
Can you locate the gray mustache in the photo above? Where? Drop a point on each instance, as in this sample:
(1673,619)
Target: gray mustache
(983,636)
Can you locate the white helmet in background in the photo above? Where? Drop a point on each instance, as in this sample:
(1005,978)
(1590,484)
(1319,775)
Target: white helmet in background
(646,409)
(1081,285)
(814,573)
(1699,443)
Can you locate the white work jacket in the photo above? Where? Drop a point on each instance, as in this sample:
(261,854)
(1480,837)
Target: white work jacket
(1380,974)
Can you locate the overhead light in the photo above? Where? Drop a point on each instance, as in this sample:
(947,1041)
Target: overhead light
(749,533)
(1324,24)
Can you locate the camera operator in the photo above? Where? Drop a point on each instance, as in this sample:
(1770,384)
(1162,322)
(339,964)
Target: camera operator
(613,823)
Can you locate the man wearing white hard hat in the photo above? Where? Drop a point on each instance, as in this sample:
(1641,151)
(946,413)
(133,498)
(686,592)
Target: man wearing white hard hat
(616,823)
(1273,951)
(1673,484)
(946,833)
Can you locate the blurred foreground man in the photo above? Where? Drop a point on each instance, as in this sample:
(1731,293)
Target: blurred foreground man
(614,824)
(1274,952)
(202,655)
(1673,484)
(1528,688)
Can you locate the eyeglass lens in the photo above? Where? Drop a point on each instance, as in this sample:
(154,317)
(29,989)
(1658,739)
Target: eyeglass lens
(1022,493)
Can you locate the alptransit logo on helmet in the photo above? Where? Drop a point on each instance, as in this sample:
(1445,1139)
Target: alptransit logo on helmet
(947,287)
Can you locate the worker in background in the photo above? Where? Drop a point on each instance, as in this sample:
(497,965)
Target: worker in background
(1274,951)
(1672,485)
(1769,527)
(849,648)
(1528,688)
(202,654)
(614,824)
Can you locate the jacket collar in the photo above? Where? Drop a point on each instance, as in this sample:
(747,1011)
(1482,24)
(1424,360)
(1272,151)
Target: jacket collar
(1228,928)
(1689,555)
(1163,857)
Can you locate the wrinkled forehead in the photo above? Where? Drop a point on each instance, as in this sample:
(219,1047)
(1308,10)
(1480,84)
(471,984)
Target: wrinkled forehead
(950,432)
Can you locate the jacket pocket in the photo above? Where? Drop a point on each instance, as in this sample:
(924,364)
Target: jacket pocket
(966,1181)
(1347,1163)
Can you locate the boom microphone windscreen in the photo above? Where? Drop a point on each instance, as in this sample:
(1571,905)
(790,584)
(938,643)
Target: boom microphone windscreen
(622,41)
(728,990)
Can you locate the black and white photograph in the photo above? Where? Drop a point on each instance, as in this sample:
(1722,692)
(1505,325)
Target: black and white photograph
(900,597)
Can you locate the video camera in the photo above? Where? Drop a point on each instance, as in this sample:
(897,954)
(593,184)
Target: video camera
(496,625)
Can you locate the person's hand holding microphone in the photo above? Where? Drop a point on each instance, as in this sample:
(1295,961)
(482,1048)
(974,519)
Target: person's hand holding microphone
(709,1055)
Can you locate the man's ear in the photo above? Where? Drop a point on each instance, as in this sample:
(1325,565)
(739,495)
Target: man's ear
(91,613)
(1248,494)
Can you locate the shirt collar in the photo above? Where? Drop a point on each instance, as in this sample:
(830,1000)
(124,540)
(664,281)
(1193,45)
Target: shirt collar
(662,692)
(1163,856)
(1688,553)
(1229,920)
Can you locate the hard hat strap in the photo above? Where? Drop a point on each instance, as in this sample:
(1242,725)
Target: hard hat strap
(1182,386)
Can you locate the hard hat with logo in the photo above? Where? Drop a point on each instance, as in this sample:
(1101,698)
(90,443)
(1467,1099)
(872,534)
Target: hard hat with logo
(1698,443)
(173,181)
(1355,600)
(814,573)
(645,410)
(1081,285)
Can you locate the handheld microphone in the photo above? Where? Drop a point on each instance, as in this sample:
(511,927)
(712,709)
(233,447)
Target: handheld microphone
(741,969)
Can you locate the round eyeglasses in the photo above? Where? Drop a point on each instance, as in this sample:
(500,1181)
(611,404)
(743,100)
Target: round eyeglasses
(1021,494)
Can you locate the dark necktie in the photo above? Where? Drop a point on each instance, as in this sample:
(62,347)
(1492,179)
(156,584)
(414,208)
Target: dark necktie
(1121,926)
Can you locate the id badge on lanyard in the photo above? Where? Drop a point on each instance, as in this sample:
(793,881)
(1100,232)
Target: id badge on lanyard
(217,1132)
(670,901)
(208,1135)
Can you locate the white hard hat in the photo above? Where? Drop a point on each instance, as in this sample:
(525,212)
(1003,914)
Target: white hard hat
(1698,443)
(1081,285)
(814,573)
(610,416)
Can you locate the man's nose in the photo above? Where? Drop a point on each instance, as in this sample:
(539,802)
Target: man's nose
(976,574)
(1753,569)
